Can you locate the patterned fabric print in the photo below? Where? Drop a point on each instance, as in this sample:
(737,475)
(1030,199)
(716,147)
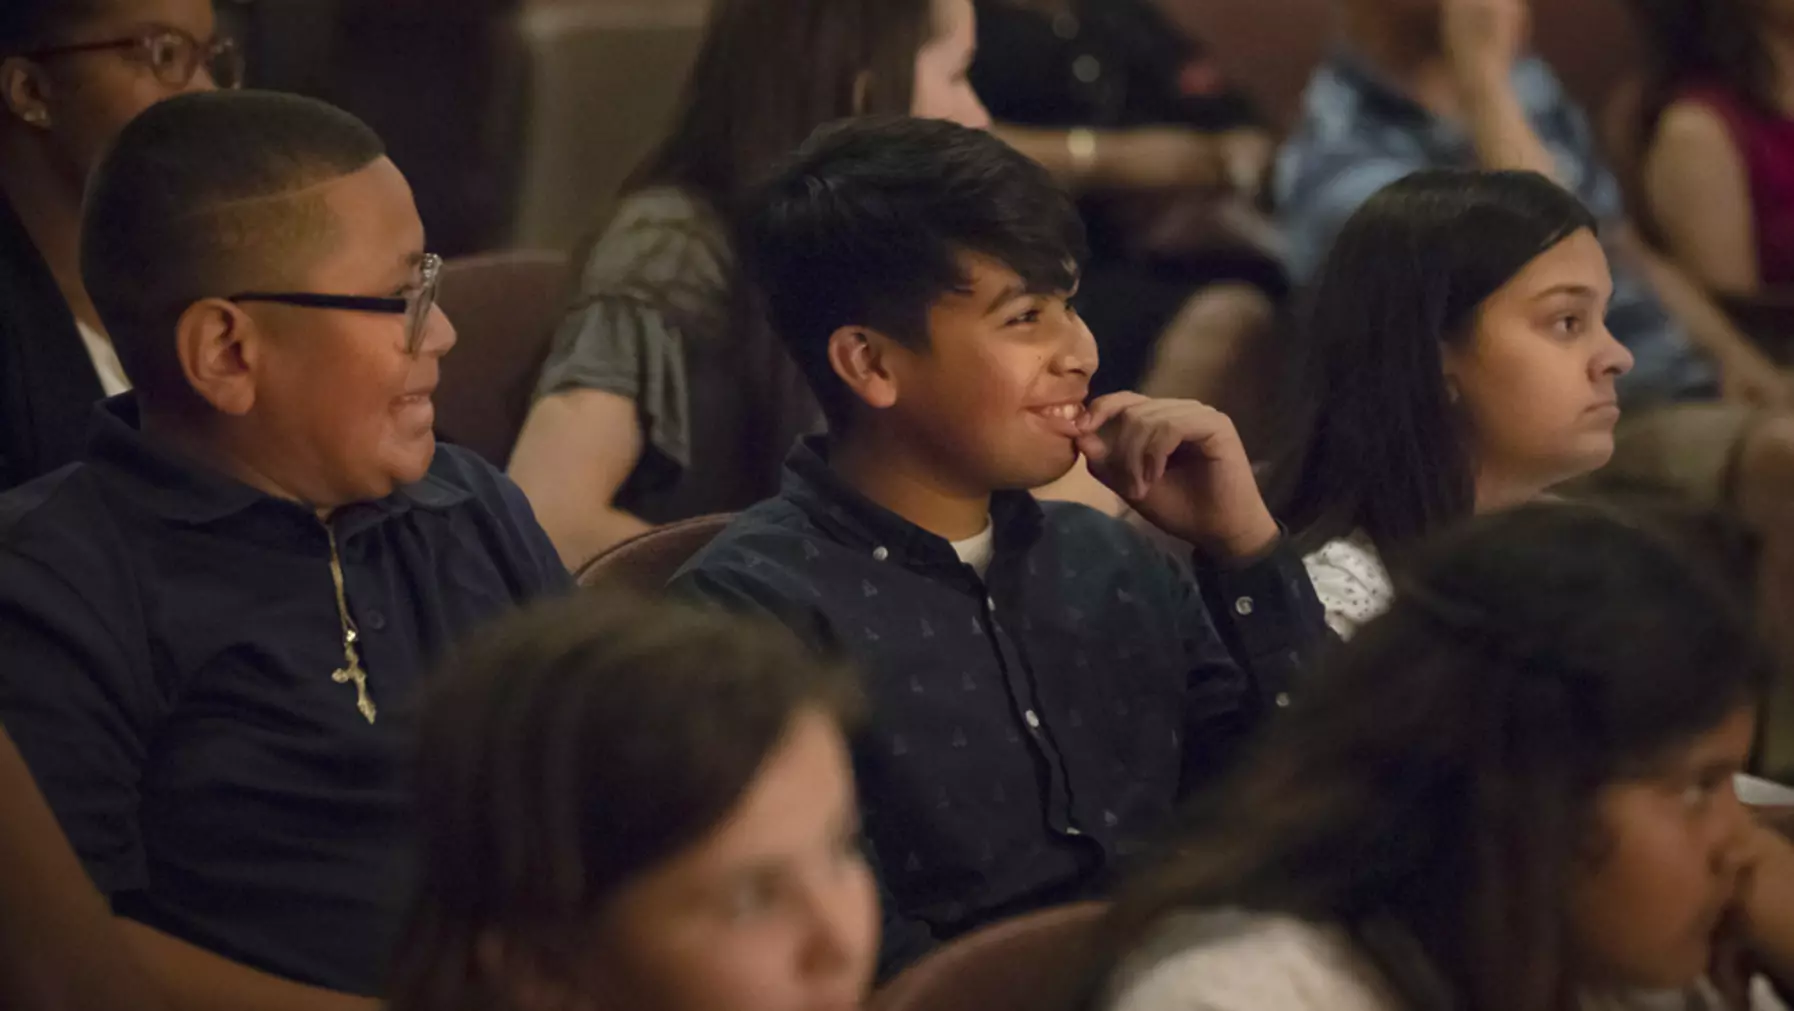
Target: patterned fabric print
(1358,134)
(1027,729)
(1351,582)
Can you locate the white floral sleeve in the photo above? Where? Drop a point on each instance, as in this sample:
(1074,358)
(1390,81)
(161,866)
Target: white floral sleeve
(1350,580)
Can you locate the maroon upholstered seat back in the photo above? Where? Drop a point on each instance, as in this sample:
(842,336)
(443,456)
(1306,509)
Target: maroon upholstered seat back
(645,563)
(1036,962)
(505,308)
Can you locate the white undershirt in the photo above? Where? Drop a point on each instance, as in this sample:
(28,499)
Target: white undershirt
(105,360)
(978,550)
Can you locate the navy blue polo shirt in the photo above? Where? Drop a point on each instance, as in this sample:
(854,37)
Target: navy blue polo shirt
(1029,730)
(167,640)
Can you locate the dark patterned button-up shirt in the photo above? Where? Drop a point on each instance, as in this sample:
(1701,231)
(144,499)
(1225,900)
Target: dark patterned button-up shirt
(1029,729)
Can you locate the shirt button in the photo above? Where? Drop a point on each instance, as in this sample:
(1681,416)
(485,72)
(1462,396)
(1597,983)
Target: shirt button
(1283,700)
(1033,720)
(1243,606)
(1087,68)
(1073,831)
(880,553)
(376,620)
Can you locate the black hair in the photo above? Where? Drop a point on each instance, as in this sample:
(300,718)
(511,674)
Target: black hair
(1384,449)
(27,24)
(200,196)
(1704,42)
(573,748)
(1433,791)
(866,226)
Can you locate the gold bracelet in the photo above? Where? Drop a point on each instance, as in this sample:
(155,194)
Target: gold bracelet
(1080,143)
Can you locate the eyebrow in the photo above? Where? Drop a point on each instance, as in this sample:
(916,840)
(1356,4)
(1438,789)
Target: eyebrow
(1580,290)
(1010,293)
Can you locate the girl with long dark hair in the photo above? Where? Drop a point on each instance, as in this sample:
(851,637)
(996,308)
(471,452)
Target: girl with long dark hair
(665,397)
(1456,359)
(1513,792)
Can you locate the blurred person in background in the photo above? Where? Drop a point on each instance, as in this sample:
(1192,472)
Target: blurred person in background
(1513,792)
(72,73)
(1456,360)
(1718,133)
(1169,161)
(628,806)
(665,396)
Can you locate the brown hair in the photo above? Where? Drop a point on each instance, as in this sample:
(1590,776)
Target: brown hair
(770,72)
(1432,792)
(571,749)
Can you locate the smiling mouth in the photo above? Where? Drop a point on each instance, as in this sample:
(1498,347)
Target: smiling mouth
(1063,419)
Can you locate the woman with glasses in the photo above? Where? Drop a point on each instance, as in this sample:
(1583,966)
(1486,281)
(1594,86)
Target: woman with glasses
(72,74)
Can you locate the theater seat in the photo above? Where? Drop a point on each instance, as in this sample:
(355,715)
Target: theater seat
(604,77)
(1036,962)
(646,562)
(505,308)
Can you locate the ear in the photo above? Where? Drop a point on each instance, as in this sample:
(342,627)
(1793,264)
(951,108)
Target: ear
(862,92)
(219,346)
(863,360)
(25,91)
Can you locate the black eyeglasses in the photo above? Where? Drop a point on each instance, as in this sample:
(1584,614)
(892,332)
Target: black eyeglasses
(171,54)
(414,305)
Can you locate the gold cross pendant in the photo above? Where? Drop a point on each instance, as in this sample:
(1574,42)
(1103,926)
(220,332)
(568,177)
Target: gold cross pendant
(363,701)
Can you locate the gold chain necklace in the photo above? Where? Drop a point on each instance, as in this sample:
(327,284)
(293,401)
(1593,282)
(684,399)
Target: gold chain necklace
(352,672)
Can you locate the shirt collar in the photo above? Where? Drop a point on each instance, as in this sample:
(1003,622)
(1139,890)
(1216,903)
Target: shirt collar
(178,488)
(854,519)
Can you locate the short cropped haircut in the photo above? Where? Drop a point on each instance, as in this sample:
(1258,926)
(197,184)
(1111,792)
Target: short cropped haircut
(868,223)
(202,196)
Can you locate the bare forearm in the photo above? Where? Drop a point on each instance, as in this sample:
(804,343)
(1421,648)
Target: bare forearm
(194,979)
(575,453)
(582,535)
(1503,136)
(55,947)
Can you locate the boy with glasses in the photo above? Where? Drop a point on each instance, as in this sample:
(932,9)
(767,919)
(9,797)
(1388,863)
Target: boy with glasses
(214,624)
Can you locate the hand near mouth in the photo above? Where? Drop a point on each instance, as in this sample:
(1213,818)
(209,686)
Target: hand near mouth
(1757,934)
(1181,465)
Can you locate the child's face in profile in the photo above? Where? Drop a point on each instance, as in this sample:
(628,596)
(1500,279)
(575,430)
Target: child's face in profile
(775,911)
(1667,863)
(1537,381)
(995,397)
